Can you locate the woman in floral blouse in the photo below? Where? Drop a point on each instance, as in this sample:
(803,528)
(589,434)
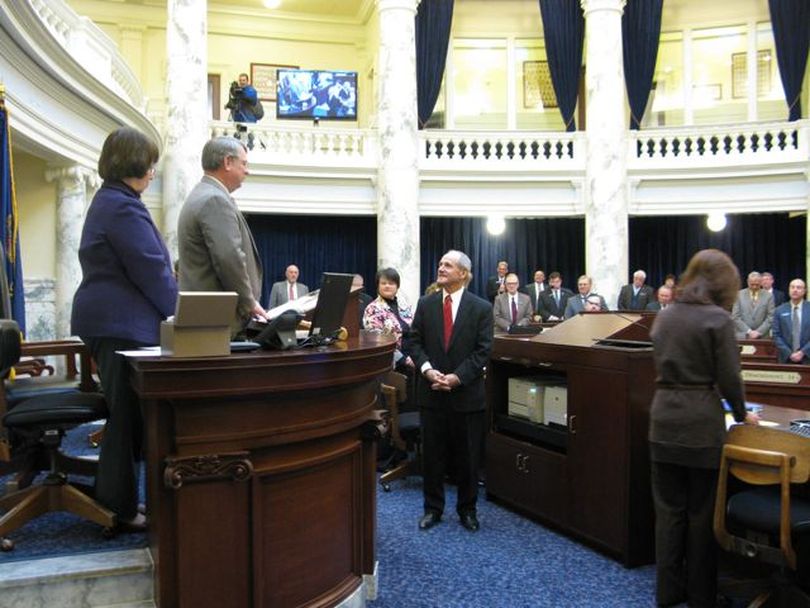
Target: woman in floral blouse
(391,315)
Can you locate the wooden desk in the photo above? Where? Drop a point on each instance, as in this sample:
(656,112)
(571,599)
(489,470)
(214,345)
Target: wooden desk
(780,384)
(261,474)
(763,351)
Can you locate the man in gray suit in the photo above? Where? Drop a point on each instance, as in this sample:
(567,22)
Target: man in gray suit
(512,307)
(284,291)
(217,251)
(577,303)
(753,310)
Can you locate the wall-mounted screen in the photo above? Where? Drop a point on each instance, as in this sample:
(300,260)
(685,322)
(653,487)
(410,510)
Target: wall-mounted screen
(322,94)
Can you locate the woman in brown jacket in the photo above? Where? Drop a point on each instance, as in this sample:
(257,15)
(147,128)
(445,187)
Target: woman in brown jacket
(697,362)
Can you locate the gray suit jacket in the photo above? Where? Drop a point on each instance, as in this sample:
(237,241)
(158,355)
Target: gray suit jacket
(575,304)
(280,293)
(217,251)
(645,296)
(748,315)
(502,311)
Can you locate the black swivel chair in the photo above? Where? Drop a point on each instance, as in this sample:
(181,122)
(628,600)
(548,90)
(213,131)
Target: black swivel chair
(405,430)
(37,425)
(765,521)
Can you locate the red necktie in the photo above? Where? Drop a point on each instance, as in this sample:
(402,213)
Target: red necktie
(448,321)
(514,312)
(292,291)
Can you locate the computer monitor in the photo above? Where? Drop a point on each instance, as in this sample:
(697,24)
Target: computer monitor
(280,332)
(332,298)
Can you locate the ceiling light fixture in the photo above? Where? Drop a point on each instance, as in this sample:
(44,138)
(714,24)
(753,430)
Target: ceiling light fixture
(272,4)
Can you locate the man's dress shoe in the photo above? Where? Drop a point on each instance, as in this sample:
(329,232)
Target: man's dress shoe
(429,520)
(469,521)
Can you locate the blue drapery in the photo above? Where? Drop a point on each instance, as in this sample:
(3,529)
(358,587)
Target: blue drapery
(564,30)
(433,21)
(772,242)
(527,244)
(315,244)
(641,28)
(790,20)
(9,230)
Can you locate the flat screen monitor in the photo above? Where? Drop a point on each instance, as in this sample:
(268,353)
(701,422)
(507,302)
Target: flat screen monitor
(332,298)
(322,94)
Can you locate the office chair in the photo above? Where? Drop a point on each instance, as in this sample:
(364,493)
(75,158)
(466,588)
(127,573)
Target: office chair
(764,521)
(405,430)
(32,429)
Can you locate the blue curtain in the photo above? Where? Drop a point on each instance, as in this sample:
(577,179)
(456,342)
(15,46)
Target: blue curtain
(758,241)
(433,20)
(527,244)
(564,30)
(791,33)
(641,28)
(315,244)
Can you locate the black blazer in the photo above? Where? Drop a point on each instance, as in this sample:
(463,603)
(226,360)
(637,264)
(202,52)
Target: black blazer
(549,307)
(645,296)
(530,290)
(470,345)
(493,284)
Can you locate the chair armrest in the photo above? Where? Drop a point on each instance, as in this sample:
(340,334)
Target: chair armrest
(68,349)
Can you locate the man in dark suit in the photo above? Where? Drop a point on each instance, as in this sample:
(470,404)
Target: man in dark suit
(793,346)
(767,285)
(497,284)
(554,300)
(451,338)
(535,289)
(636,295)
(664,299)
(217,251)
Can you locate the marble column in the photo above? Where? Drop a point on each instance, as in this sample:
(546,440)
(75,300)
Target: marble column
(606,201)
(398,173)
(186,107)
(71,200)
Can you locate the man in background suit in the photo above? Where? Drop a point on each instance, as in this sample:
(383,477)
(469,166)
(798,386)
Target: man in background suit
(578,303)
(451,338)
(512,308)
(664,298)
(753,310)
(793,345)
(289,289)
(636,295)
(767,285)
(495,285)
(216,248)
(554,300)
(534,289)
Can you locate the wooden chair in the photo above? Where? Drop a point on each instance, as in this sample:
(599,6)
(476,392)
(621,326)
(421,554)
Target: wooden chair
(32,430)
(405,430)
(765,521)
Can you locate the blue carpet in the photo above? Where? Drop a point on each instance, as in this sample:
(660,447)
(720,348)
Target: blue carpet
(512,561)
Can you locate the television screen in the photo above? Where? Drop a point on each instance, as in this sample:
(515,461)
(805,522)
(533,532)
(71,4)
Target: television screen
(326,94)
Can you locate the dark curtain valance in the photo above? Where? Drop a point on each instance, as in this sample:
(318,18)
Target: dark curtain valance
(641,29)
(433,21)
(790,20)
(564,31)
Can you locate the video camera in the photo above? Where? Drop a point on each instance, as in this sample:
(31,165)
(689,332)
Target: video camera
(235,94)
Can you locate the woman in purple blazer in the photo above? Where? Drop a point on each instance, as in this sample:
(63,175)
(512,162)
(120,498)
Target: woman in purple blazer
(127,289)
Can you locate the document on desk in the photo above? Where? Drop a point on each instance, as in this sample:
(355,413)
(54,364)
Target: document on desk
(146,351)
(304,304)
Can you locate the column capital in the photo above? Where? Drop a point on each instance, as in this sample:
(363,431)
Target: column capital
(71,177)
(592,6)
(407,5)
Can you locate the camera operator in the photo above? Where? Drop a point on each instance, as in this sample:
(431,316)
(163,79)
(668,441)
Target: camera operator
(243,101)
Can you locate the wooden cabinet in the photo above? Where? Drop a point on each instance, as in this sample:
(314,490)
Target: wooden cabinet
(591,476)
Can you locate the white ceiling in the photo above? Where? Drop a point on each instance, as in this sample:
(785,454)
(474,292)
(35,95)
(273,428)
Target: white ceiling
(323,8)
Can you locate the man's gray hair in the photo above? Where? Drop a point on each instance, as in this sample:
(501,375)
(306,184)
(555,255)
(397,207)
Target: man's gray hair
(218,149)
(754,275)
(460,258)
(640,273)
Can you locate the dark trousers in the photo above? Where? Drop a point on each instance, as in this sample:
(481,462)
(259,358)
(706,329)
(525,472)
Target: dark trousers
(685,549)
(121,446)
(455,437)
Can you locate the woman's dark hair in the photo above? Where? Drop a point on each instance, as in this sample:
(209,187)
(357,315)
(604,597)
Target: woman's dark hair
(710,278)
(126,153)
(389,274)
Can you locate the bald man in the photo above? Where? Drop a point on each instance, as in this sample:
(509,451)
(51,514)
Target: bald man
(289,289)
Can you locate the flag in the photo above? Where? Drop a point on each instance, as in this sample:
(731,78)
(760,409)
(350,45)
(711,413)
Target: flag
(9,227)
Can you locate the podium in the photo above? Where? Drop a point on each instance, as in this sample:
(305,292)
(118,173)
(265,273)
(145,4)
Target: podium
(261,474)
(590,476)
